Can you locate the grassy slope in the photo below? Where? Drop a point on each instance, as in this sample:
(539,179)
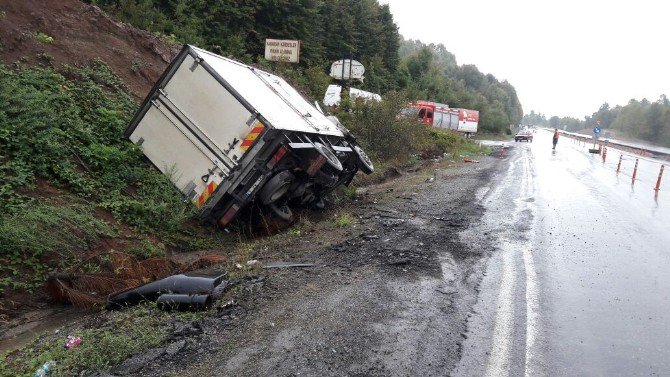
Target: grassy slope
(70,178)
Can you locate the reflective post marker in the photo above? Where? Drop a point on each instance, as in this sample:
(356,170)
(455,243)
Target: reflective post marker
(660,175)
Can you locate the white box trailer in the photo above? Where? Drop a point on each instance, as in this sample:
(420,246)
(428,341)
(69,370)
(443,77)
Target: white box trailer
(228,134)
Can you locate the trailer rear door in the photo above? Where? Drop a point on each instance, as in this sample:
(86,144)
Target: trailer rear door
(194,130)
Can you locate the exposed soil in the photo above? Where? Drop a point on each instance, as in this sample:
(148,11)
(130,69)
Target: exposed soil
(81,33)
(388,295)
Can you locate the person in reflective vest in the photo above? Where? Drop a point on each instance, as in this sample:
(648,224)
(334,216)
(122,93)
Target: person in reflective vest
(555,138)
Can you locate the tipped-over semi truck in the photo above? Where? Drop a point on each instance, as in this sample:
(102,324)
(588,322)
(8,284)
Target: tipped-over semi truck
(228,134)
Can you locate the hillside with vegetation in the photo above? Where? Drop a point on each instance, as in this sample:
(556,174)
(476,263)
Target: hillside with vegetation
(329,30)
(638,119)
(74,190)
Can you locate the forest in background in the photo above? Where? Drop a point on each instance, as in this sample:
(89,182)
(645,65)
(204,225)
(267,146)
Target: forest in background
(644,120)
(328,30)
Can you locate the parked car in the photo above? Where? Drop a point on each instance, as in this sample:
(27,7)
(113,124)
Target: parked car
(524,135)
(229,135)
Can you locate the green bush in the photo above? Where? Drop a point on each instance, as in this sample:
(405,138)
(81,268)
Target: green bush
(383,133)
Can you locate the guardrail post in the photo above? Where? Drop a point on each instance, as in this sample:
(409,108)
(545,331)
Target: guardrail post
(660,175)
(618,167)
(637,160)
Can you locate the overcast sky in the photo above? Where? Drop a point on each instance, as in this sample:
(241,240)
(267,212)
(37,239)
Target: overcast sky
(564,58)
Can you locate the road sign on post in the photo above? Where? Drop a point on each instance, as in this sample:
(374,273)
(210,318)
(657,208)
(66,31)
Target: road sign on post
(282,50)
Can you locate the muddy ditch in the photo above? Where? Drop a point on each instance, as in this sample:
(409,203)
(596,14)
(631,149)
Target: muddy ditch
(398,234)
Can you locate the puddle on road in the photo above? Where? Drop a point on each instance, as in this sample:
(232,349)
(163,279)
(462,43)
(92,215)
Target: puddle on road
(36,323)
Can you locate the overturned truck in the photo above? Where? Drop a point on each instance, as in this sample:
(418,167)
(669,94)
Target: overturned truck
(228,134)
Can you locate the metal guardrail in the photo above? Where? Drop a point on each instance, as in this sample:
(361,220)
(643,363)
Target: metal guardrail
(648,154)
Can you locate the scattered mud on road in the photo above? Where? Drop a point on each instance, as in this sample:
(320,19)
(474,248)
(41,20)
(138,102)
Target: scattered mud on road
(390,293)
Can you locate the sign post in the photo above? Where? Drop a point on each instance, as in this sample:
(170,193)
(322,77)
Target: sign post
(596,131)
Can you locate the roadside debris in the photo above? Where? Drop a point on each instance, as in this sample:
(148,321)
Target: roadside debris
(287,265)
(465,159)
(45,369)
(179,292)
(86,290)
(72,342)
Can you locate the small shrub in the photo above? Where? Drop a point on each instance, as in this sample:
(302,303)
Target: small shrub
(146,249)
(43,38)
(45,58)
(344,220)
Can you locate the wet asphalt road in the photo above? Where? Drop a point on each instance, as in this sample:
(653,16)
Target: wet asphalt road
(580,283)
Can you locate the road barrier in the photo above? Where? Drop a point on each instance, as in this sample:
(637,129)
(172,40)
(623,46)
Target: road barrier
(649,157)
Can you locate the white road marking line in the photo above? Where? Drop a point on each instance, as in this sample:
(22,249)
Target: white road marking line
(532,297)
(498,363)
(499,359)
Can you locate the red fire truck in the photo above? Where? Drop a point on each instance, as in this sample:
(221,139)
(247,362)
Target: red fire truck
(439,115)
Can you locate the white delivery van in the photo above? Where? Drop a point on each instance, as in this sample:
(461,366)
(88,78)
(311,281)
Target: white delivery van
(228,134)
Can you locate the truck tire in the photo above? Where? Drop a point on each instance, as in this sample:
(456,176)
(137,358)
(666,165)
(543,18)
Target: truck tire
(365,164)
(283,212)
(329,155)
(276,187)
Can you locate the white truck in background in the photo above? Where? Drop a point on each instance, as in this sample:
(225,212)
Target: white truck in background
(228,134)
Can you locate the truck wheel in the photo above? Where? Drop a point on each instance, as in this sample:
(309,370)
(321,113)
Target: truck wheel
(329,155)
(276,187)
(283,212)
(365,164)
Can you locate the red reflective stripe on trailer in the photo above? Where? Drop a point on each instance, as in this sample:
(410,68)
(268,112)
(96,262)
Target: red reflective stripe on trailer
(252,136)
(206,193)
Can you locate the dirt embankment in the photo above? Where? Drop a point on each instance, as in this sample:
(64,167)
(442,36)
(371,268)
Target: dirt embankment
(80,33)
